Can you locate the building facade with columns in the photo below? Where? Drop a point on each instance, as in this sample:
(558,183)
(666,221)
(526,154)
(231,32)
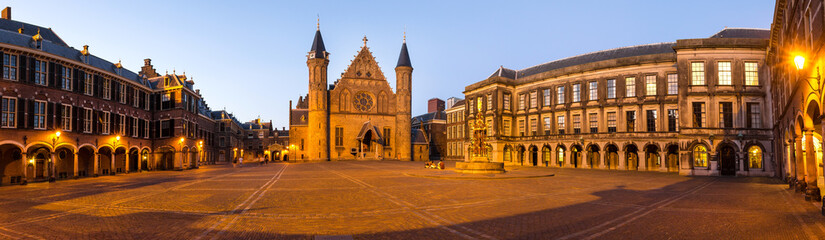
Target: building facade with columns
(693,106)
(796,56)
(358,117)
(67,113)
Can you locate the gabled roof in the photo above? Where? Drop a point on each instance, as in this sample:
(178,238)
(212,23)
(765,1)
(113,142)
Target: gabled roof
(504,72)
(460,103)
(31,30)
(743,33)
(431,116)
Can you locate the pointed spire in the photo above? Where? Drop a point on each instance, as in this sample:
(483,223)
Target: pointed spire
(404,57)
(318,44)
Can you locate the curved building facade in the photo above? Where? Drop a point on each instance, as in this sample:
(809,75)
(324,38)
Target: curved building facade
(694,106)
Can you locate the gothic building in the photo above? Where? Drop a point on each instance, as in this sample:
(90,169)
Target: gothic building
(357,117)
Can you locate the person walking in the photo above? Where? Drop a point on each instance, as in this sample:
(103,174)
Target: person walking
(240,161)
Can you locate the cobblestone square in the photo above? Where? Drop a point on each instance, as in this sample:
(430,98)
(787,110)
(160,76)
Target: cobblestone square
(382,200)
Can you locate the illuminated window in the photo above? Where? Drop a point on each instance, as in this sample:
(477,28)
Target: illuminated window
(489,102)
(547,97)
(699,115)
(755,157)
(40,73)
(9,67)
(751,74)
(672,84)
(611,88)
(724,73)
(594,91)
(700,156)
(560,95)
(577,92)
(650,85)
(697,73)
(611,122)
(630,87)
(561,156)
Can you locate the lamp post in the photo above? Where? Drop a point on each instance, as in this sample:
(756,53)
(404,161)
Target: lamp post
(200,152)
(55,141)
(180,144)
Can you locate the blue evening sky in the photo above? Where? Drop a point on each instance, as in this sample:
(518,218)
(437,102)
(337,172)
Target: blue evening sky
(249,56)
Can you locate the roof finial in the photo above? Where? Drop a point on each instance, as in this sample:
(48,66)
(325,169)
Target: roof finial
(319,22)
(405,33)
(365,40)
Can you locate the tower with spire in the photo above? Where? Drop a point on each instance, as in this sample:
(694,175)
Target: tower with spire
(359,116)
(403,81)
(317,124)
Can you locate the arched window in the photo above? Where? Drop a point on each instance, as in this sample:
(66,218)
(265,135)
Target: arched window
(700,156)
(561,155)
(507,157)
(755,157)
(545,154)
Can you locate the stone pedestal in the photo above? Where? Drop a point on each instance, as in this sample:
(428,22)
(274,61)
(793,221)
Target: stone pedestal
(479,165)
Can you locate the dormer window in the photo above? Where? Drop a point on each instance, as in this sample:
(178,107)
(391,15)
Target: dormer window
(166,82)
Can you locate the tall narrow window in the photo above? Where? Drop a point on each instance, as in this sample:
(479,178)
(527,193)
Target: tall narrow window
(650,85)
(107,91)
(547,96)
(700,156)
(505,127)
(672,84)
(9,66)
(651,120)
(697,73)
(560,95)
(521,127)
(577,92)
(40,115)
(9,113)
(611,88)
(66,118)
(533,99)
(547,125)
(699,114)
(88,82)
(66,78)
(123,93)
(136,98)
(751,74)
(724,73)
(87,120)
(121,124)
(489,102)
(489,127)
(533,126)
(631,121)
(166,128)
(506,101)
(754,157)
(135,126)
(577,124)
(522,103)
(339,136)
(611,122)
(672,117)
(754,115)
(40,73)
(725,115)
(630,87)
(560,125)
(594,122)
(594,91)
(145,129)
(105,122)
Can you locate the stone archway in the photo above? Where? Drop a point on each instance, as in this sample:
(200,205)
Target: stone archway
(64,165)
(85,161)
(104,161)
(612,157)
(576,156)
(534,156)
(631,157)
(134,160)
(672,158)
(652,160)
(11,165)
(546,155)
(727,160)
(593,156)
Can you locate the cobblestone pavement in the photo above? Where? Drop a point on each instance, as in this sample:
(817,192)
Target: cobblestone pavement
(376,200)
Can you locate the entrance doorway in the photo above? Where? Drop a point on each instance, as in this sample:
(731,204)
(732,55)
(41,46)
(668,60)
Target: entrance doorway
(727,161)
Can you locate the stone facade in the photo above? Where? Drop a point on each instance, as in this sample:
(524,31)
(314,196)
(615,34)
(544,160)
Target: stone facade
(694,106)
(797,34)
(457,131)
(356,118)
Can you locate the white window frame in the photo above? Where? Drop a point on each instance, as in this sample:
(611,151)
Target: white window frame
(751,73)
(594,91)
(672,84)
(10,67)
(577,92)
(611,88)
(106,124)
(40,70)
(650,85)
(67,117)
(107,89)
(135,127)
(697,73)
(89,84)
(66,78)
(122,93)
(122,124)
(40,117)
(9,115)
(560,95)
(135,97)
(146,129)
(87,120)
(630,87)
(724,72)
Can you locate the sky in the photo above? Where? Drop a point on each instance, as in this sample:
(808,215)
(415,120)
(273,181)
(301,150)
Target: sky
(249,57)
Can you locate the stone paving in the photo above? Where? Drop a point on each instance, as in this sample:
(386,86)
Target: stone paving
(381,200)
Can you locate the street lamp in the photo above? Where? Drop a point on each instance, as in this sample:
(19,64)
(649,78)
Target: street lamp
(56,138)
(799,62)
(200,150)
(117,140)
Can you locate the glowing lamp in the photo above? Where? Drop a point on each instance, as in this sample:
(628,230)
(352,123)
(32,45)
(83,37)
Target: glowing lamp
(181,139)
(799,61)
(116,138)
(57,133)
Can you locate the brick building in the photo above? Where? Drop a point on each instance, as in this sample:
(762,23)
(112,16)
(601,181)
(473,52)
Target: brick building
(433,125)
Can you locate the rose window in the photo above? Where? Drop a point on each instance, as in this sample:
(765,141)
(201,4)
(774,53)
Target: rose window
(363,101)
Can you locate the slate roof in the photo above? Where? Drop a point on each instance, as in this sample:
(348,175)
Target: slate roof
(318,45)
(639,50)
(53,44)
(460,103)
(419,137)
(430,116)
(404,57)
(743,33)
(504,72)
(216,115)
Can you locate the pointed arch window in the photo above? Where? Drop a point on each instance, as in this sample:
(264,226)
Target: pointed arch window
(700,156)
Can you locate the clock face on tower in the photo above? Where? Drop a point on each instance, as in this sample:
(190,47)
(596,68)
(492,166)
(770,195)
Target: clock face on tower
(363,101)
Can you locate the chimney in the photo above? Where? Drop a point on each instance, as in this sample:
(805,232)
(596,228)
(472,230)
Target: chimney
(7,13)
